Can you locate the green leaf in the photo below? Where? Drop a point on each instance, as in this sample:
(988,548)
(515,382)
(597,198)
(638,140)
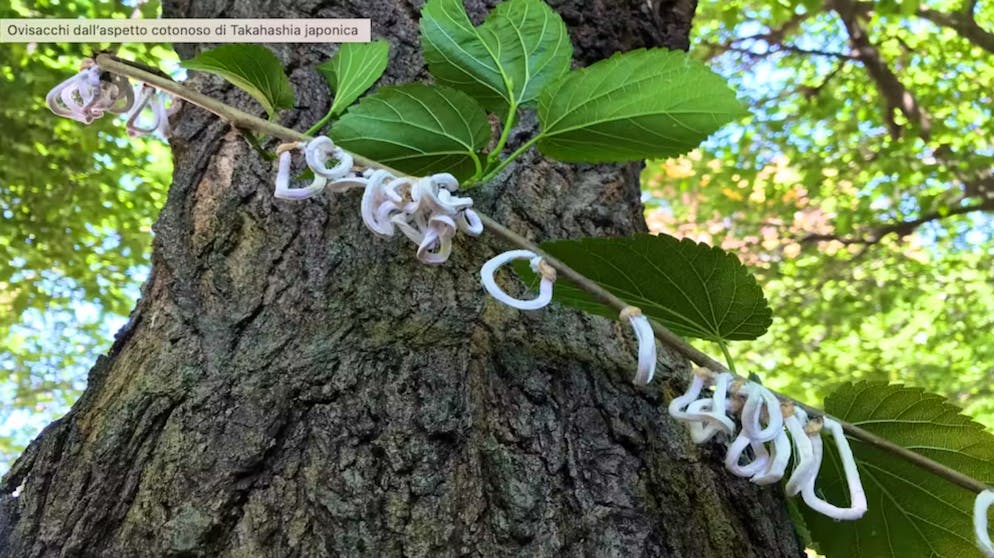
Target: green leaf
(909,7)
(252,68)
(912,513)
(693,289)
(636,105)
(353,70)
(416,128)
(520,49)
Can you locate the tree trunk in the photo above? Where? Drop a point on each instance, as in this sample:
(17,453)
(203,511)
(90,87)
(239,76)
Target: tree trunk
(290,385)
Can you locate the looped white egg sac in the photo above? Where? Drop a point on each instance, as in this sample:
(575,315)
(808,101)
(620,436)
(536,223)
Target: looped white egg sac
(771,446)
(709,417)
(779,457)
(411,225)
(283,189)
(701,432)
(89,94)
(707,412)
(434,194)
(735,452)
(147,97)
(770,462)
(144,93)
(803,452)
(857,497)
(71,97)
(678,406)
(112,94)
(88,87)
(120,96)
(423,209)
(162,114)
(714,411)
(317,153)
(980,507)
(381,201)
(758,400)
(706,417)
(469,222)
(436,243)
(646,342)
(490,284)
(433,216)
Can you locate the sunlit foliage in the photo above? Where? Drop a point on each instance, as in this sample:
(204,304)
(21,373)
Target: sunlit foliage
(77,205)
(868,222)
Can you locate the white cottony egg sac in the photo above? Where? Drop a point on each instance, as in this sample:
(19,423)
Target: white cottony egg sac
(787,431)
(425,209)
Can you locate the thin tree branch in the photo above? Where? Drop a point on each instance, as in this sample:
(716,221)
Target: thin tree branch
(814,52)
(896,96)
(813,91)
(963,23)
(776,48)
(901,228)
(976,183)
(663,334)
(773,36)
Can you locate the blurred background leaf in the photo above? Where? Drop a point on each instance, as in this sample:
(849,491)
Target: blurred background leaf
(77,205)
(869,228)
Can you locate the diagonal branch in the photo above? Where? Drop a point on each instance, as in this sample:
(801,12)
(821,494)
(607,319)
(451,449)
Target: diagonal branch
(776,48)
(963,23)
(783,47)
(895,94)
(901,228)
(774,36)
(664,335)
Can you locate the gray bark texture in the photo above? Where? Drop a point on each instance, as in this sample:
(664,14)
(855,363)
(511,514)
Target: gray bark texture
(290,385)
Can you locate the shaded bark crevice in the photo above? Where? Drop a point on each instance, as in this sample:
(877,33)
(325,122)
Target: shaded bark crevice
(292,386)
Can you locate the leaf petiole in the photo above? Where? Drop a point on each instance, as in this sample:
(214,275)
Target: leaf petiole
(477,163)
(494,155)
(321,123)
(728,355)
(504,162)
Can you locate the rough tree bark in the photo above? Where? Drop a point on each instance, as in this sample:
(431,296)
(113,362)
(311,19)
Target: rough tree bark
(290,385)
